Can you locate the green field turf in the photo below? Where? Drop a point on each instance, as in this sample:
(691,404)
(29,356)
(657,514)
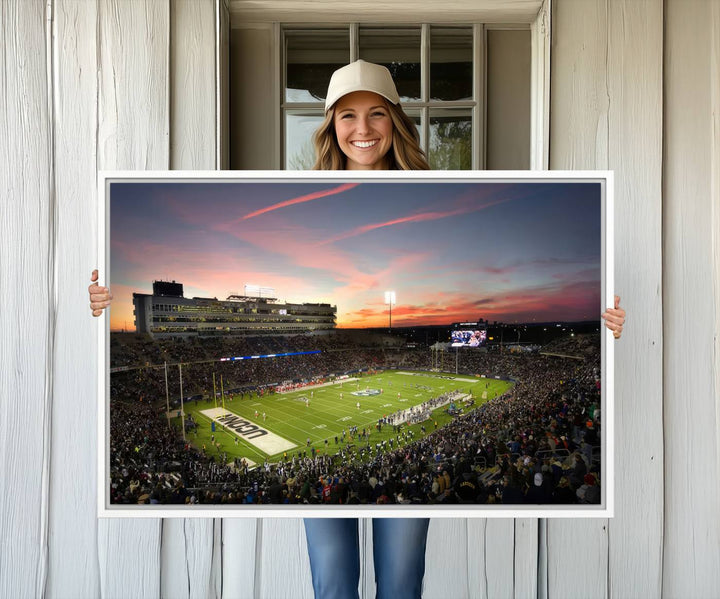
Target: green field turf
(328,414)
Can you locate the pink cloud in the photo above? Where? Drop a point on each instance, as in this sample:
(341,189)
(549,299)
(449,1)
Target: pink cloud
(414,218)
(306,198)
(298,245)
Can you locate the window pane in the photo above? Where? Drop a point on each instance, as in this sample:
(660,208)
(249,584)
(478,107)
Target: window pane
(451,55)
(450,139)
(311,57)
(399,51)
(299,150)
(414,115)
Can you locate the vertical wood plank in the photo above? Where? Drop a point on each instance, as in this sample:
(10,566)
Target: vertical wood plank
(579,97)
(367,566)
(490,561)
(635,49)
(715,194)
(187,557)
(446,559)
(499,557)
(216,569)
(525,575)
(615,108)
(282,568)
(691,402)
(239,557)
(476,560)
(129,556)
(189,566)
(73,569)
(133,125)
(578,140)
(192,85)
(542,574)
(222,17)
(27,314)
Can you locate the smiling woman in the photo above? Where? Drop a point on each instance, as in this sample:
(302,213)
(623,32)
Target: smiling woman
(365,127)
(364,130)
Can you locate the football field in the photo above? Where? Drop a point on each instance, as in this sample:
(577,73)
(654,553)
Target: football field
(270,426)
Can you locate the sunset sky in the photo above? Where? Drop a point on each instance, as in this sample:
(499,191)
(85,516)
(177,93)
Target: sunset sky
(512,252)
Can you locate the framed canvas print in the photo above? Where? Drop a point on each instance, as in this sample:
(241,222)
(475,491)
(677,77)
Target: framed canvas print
(356,344)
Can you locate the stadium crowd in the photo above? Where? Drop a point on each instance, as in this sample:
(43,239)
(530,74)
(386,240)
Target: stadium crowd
(144,361)
(536,444)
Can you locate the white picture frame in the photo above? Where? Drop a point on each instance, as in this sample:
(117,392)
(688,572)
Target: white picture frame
(273,178)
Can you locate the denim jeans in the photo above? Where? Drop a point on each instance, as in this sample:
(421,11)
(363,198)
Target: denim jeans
(398,551)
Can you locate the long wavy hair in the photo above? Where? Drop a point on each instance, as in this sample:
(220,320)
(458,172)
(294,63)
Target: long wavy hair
(405,153)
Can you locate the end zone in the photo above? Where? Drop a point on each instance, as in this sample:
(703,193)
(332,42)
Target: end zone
(248,431)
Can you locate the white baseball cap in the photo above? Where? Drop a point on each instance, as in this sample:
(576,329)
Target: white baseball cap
(361,76)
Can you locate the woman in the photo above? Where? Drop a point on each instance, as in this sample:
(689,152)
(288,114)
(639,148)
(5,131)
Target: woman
(365,129)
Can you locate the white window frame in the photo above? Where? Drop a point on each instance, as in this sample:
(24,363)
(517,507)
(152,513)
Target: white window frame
(535,14)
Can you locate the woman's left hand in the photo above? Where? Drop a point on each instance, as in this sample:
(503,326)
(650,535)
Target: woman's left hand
(615,318)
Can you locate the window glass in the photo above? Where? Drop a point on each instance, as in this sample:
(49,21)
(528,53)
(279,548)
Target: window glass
(311,57)
(450,144)
(299,149)
(451,63)
(399,51)
(414,115)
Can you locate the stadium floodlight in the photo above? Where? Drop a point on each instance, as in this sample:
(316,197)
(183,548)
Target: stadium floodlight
(390,301)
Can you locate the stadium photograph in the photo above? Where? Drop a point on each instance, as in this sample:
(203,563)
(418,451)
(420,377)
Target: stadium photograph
(325,343)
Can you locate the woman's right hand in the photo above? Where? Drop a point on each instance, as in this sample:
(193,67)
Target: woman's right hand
(99,296)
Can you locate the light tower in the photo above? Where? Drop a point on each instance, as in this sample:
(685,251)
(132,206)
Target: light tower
(390,301)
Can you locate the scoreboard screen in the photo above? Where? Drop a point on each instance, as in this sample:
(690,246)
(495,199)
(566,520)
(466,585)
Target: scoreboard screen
(468,337)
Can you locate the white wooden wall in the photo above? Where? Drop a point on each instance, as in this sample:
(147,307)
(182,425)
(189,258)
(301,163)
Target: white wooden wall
(691,298)
(606,113)
(635,87)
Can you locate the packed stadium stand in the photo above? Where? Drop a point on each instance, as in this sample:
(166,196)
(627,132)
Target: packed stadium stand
(536,444)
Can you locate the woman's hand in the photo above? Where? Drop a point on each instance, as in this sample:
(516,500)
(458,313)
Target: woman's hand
(615,318)
(99,296)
